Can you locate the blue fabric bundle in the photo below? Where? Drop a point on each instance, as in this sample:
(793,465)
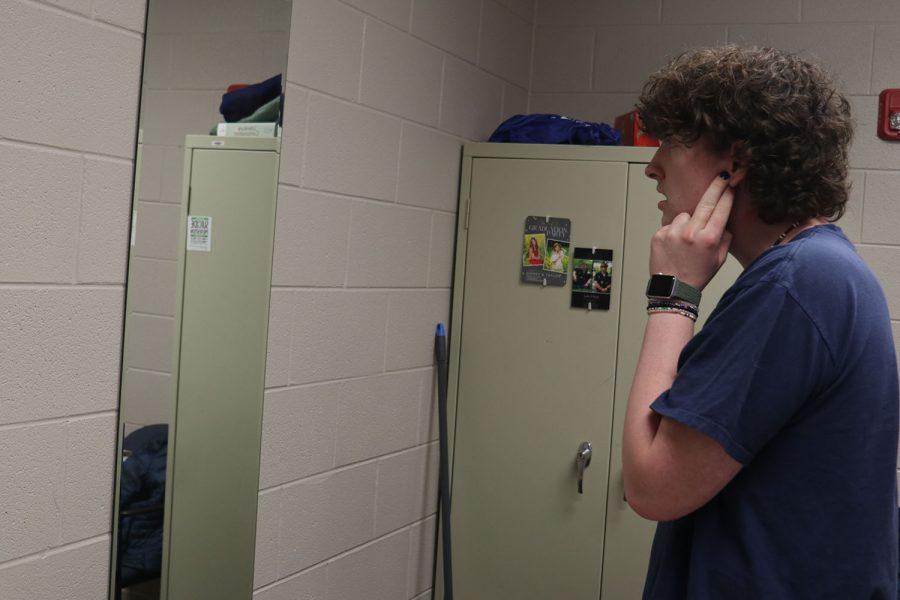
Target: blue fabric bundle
(554,129)
(244,102)
(141,500)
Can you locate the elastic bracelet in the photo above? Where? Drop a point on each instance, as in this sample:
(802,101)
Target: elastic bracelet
(663,309)
(680,304)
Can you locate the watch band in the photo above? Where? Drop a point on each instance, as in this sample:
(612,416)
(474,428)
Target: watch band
(663,287)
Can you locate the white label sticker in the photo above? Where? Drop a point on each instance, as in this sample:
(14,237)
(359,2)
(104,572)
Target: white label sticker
(199,234)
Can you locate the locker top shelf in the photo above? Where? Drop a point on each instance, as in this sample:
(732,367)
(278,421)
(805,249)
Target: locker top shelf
(232,142)
(633,154)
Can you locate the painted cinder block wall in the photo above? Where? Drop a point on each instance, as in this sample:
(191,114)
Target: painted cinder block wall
(381,95)
(326,401)
(68,109)
(369,166)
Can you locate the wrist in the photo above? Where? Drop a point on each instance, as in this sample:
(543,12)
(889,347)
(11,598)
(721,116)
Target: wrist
(664,287)
(684,309)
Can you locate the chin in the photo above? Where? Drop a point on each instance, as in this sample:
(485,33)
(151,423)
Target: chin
(664,218)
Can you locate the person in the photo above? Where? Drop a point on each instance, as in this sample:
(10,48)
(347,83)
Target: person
(534,253)
(584,276)
(602,279)
(556,257)
(578,276)
(766,444)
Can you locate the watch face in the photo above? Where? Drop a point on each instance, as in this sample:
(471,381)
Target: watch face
(661,286)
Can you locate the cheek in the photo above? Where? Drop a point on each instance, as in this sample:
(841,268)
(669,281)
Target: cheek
(692,191)
(694,198)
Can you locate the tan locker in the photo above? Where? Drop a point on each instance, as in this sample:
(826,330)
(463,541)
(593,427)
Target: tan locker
(220,358)
(531,378)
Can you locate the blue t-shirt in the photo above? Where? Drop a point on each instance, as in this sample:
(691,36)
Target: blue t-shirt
(794,375)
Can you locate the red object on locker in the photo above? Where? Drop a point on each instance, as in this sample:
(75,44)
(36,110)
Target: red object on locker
(889,115)
(630,126)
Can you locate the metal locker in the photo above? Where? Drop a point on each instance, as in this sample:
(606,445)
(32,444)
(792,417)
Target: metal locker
(531,378)
(222,320)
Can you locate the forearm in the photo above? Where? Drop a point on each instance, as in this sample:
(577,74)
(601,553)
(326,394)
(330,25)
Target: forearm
(664,337)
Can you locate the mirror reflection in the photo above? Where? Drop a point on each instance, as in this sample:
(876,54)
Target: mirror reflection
(211,68)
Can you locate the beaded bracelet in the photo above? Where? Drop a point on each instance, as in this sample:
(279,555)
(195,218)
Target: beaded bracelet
(671,309)
(672,303)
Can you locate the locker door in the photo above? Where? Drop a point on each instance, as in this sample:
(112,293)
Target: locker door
(224,318)
(629,536)
(535,379)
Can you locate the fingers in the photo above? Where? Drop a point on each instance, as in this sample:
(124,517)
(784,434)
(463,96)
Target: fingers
(680,219)
(711,219)
(694,246)
(720,213)
(709,201)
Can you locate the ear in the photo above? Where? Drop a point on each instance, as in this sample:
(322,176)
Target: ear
(738,173)
(739,159)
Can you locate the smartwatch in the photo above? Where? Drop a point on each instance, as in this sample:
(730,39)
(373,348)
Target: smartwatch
(669,287)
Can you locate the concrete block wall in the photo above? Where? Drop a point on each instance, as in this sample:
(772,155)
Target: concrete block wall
(363,256)
(591,57)
(70,77)
(381,95)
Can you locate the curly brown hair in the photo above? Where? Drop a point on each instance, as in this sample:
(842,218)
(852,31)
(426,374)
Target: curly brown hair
(789,127)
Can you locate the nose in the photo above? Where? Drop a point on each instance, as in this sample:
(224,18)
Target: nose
(653,170)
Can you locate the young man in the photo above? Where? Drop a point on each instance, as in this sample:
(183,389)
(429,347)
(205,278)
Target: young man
(766,445)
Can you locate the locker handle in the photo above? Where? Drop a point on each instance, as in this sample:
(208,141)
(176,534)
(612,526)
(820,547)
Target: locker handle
(582,462)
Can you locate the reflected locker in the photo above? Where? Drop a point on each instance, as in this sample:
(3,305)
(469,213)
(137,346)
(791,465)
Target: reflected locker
(228,239)
(186,505)
(190,60)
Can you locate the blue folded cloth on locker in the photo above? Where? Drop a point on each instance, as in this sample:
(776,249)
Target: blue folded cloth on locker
(244,102)
(554,129)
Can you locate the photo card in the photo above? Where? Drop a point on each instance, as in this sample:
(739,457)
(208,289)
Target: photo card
(592,278)
(546,250)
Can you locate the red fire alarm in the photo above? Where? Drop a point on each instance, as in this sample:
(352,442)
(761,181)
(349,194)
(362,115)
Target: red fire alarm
(889,115)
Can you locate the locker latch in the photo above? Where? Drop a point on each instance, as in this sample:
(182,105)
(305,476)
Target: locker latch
(582,462)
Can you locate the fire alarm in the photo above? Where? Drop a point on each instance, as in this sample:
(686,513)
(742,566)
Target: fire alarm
(889,115)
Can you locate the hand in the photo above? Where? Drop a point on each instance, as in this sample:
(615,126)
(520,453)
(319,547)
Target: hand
(694,247)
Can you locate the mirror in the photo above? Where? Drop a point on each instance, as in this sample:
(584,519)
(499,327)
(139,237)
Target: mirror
(196,51)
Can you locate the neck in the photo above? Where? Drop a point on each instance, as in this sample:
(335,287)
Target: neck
(751,236)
